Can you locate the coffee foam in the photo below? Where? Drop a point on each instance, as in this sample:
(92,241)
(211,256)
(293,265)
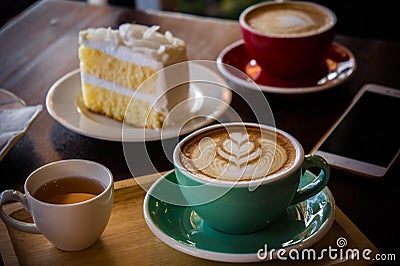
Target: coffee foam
(240,155)
(289,19)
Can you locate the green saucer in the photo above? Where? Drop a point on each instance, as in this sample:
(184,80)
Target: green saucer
(180,227)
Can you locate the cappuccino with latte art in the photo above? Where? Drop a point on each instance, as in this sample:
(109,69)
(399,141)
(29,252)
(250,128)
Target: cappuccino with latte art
(290,39)
(229,172)
(237,153)
(290,19)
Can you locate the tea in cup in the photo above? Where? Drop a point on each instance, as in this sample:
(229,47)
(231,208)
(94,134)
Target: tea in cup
(70,202)
(240,177)
(288,39)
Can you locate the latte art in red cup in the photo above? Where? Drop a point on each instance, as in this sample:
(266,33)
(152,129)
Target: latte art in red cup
(288,19)
(237,154)
(288,39)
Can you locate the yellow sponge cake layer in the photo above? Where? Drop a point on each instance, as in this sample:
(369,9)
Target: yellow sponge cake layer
(107,67)
(116,63)
(114,105)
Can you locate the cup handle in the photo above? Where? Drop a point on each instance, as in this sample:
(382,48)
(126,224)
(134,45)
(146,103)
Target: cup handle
(316,185)
(14,195)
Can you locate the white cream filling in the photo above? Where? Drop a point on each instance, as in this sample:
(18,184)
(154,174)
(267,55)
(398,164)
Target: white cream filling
(126,54)
(137,94)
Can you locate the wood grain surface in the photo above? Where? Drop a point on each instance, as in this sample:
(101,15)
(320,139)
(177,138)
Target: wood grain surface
(128,241)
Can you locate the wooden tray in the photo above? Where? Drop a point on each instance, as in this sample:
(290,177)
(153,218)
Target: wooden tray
(127,240)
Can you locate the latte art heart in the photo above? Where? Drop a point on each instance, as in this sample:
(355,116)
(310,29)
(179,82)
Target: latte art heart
(288,19)
(238,150)
(236,156)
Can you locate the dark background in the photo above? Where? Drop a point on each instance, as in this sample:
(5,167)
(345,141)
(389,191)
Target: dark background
(371,19)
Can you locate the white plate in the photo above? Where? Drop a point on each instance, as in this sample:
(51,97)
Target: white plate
(65,104)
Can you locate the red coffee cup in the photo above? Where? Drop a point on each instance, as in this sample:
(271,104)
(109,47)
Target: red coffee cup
(288,39)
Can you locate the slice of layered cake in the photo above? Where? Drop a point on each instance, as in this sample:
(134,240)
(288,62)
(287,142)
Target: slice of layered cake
(115,63)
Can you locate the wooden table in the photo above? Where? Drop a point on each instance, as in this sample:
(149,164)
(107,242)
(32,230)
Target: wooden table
(127,240)
(40,46)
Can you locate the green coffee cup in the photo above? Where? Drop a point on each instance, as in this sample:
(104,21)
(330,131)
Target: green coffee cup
(239,177)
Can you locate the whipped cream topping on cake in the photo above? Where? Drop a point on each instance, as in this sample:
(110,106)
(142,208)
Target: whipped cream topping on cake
(136,43)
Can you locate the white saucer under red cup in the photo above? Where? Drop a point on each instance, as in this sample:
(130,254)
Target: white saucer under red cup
(340,64)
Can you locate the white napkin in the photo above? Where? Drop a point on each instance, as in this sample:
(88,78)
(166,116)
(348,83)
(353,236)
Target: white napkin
(13,125)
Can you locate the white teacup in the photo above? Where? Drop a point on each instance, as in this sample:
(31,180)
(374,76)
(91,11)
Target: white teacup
(70,222)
